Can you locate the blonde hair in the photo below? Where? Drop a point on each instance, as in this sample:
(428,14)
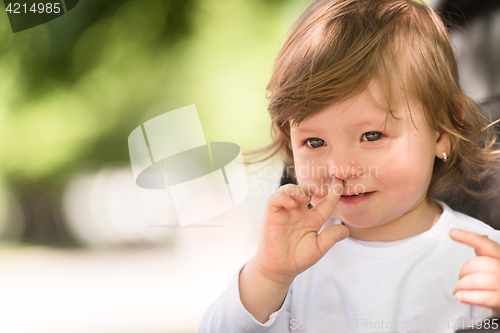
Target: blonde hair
(337,47)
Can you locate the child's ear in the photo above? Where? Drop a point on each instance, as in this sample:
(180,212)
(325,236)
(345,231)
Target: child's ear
(443,138)
(442,145)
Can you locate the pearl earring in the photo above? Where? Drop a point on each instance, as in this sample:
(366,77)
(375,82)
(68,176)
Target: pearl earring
(444,157)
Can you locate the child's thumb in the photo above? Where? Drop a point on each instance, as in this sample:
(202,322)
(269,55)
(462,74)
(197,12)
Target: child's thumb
(331,235)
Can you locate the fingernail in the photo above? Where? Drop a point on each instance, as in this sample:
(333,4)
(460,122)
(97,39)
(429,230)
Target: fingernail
(458,295)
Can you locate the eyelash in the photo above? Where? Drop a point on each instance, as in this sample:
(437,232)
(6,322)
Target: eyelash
(364,134)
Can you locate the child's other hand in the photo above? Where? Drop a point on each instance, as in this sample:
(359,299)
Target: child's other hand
(479,280)
(289,241)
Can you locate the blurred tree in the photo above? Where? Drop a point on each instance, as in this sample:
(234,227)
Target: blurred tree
(46,67)
(74,88)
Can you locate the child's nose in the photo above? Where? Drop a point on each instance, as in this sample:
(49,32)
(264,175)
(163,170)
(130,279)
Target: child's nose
(346,169)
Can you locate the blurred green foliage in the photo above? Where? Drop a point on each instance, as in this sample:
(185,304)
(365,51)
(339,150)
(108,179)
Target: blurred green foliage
(74,88)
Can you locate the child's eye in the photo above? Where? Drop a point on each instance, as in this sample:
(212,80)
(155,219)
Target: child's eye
(314,142)
(371,136)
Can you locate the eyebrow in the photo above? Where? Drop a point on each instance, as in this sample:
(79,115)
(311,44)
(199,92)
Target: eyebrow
(356,124)
(304,130)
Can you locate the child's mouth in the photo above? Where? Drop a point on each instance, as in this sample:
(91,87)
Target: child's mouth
(355,198)
(354,194)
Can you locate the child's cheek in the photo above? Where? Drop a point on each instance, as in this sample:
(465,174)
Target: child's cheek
(406,177)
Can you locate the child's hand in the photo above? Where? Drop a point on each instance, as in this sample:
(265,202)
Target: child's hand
(479,280)
(289,242)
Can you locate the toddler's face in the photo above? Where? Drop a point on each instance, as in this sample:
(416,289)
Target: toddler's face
(392,166)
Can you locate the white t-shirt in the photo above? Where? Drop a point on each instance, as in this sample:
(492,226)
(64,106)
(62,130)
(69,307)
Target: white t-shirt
(401,286)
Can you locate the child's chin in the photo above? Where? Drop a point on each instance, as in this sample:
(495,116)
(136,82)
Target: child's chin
(358,221)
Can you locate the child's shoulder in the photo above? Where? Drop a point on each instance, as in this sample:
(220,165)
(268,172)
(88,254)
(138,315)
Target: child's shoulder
(465,222)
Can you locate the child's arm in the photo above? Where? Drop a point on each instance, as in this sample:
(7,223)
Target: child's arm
(260,295)
(289,244)
(227,314)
